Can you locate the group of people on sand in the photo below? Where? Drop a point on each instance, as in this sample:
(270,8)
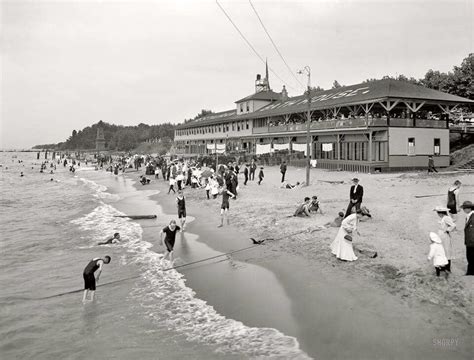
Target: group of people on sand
(442,248)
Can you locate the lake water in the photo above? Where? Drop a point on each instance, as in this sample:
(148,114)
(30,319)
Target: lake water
(49,232)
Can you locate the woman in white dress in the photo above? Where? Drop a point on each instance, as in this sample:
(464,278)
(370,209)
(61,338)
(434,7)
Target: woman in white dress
(446,226)
(341,247)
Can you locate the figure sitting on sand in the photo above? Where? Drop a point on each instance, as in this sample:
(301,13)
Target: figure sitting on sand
(113,240)
(303,209)
(314,205)
(285,185)
(337,221)
(144,180)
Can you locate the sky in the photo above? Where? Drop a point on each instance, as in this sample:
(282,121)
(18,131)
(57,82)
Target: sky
(66,65)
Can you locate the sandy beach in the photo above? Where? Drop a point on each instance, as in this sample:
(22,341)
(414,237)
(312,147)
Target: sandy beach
(403,309)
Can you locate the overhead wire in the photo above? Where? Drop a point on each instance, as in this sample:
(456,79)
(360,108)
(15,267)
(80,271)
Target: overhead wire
(274,45)
(252,47)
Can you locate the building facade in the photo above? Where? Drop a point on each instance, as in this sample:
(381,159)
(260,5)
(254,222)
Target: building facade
(381,125)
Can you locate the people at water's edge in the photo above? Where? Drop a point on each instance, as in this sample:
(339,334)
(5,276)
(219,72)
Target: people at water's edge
(225,205)
(91,277)
(355,196)
(468,208)
(169,234)
(181,204)
(113,240)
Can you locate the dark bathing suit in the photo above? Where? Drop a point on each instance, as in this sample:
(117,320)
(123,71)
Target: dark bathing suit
(452,202)
(89,278)
(170,237)
(225,200)
(181,208)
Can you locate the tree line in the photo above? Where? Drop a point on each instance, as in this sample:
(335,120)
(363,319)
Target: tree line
(459,81)
(117,137)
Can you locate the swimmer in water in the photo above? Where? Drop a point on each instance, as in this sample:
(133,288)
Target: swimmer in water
(21,174)
(113,240)
(90,278)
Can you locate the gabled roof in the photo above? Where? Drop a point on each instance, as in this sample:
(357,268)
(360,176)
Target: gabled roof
(262,95)
(357,94)
(208,119)
(379,90)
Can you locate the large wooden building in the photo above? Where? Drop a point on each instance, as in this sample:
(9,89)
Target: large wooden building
(381,125)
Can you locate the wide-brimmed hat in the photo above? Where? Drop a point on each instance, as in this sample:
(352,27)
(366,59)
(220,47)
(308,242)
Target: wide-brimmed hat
(467,204)
(441,209)
(435,238)
(348,237)
(355,179)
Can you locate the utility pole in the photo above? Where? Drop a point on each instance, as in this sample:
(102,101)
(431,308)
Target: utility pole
(307,70)
(217,155)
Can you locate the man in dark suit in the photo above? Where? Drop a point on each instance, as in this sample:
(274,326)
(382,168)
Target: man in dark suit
(468,208)
(246,173)
(253,167)
(355,196)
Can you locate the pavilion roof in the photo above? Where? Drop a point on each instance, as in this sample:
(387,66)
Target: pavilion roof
(378,90)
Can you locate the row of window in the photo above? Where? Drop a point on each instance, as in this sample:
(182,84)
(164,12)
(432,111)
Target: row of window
(211,129)
(357,151)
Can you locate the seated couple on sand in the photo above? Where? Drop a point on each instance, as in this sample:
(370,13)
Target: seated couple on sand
(308,206)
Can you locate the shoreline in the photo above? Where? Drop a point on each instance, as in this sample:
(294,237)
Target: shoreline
(291,267)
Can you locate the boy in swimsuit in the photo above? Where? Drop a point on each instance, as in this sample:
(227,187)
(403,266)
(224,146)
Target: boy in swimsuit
(90,279)
(170,236)
(181,203)
(113,240)
(225,205)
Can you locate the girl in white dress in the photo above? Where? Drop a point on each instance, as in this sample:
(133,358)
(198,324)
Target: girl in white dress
(446,226)
(341,247)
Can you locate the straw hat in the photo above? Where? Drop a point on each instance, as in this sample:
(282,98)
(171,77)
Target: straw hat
(435,237)
(348,237)
(468,205)
(441,209)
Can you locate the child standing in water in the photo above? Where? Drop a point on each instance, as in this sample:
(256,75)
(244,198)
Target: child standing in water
(89,276)
(260,176)
(180,202)
(170,237)
(225,205)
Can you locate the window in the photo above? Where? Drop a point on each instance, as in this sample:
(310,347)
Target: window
(411,146)
(437,147)
(248,106)
(241,107)
(247,125)
(357,151)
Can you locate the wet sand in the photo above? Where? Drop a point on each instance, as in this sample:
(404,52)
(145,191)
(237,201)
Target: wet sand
(334,312)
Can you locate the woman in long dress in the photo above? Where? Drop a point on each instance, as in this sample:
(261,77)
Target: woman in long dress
(446,226)
(341,247)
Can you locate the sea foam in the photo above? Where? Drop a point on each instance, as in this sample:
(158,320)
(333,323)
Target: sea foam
(167,300)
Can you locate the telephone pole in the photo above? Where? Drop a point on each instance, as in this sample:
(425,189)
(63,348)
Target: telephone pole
(307,70)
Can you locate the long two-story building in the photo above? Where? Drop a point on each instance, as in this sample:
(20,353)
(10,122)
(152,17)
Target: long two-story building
(380,125)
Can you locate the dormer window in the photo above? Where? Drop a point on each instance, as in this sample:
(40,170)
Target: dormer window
(241,107)
(248,106)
